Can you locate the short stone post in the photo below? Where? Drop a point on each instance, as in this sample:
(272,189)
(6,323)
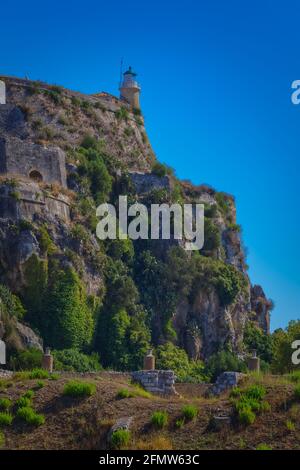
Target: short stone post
(47,361)
(149,361)
(254,362)
(2,93)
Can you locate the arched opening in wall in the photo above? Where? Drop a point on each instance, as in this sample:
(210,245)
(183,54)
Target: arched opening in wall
(36,176)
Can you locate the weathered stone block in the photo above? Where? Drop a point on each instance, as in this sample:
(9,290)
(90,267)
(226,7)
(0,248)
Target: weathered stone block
(156,381)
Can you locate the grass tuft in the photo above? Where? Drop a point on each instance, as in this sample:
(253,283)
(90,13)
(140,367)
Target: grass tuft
(5,404)
(189,412)
(159,419)
(27,414)
(76,389)
(5,419)
(263,447)
(120,438)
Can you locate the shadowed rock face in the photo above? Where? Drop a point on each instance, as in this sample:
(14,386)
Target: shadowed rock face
(261,306)
(205,326)
(12,121)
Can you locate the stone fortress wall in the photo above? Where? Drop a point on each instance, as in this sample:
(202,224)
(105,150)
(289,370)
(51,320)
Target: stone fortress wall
(35,161)
(29,164)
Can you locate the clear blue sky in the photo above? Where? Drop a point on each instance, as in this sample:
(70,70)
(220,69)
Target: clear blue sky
(216,80)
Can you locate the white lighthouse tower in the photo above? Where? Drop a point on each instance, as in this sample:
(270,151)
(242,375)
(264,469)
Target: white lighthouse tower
(130,89)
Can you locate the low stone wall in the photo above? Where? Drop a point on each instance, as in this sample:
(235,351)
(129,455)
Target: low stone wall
(156,381)
(226,381)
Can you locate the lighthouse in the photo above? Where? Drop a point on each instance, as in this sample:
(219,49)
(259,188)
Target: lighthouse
(130,89)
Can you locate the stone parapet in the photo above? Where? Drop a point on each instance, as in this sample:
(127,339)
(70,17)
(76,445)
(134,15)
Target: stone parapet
(226,381)
(156,381)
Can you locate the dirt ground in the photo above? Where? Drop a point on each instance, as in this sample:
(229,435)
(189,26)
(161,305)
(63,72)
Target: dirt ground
(84,423)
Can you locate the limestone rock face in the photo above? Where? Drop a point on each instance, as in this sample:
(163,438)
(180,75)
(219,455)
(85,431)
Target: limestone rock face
(12,121)
(40,126)
(17,335)
(205,326)
(98,115)
(261,306)
(28,337)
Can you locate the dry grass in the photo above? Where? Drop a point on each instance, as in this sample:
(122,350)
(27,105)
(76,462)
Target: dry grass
(153,442)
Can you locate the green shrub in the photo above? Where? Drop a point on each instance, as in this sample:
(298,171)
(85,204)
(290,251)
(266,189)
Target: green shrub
(255,338)
(249,402)
(26,360)
(246,416)
(159,419)
(297,391)
(23,402)
(27,414)
(294,376)
(72,321)
(2,440)
(11,302)
(122,113)
(39,384)
(5,404)
(79,389)
(263,447)
(235,392)
(45,241)
(265,406)
(120,438)
(290,425)
(212,235)
(29,394)
(140,392)
(223,361)
(255,391)
(54,376)
(189,412)
(38,374)
(74,360)
(169,356)
(5,419)
(124,393)
(281,347)
(180,423)
(228,281)
(159,169)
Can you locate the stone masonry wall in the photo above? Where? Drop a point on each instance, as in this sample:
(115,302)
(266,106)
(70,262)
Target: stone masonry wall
(146,182)
(226,381)
(21,157)
(156,381)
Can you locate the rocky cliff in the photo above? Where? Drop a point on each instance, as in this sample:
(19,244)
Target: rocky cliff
(51,176)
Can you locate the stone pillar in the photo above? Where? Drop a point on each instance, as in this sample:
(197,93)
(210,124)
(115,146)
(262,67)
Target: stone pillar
(47,361)
(149,361)
(2,93)
(254,362)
